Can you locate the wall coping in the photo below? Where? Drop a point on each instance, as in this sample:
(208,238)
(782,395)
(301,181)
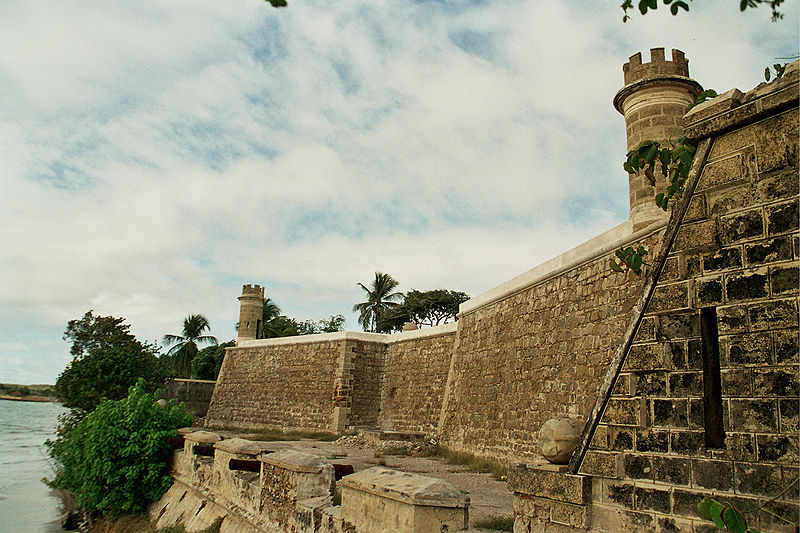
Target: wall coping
(192,380)
(296,461)
(365,336)
(596,247)
(241,446)
(405,487)
(202,437)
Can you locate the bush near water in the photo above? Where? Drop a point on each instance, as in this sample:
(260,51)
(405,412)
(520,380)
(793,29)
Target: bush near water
(116,459)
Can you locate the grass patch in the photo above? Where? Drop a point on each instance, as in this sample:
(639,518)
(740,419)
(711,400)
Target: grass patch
(473,463)
(496,523)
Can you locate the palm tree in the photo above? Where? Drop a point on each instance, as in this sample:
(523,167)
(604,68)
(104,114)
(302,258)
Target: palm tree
(186,344)
(380,298)
(269,313)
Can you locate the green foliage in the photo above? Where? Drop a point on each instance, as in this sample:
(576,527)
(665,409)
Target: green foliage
(277,3)
(380,299)
(779,71)
(702,97)
(208,361)
(675,6)
(115,460)
(631,257)
(185,348)
(108,361)
(674,162)
(724,515)
(335,323)
(91,332)
(424,308)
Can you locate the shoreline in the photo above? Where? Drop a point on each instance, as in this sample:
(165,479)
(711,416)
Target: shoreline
(41,399)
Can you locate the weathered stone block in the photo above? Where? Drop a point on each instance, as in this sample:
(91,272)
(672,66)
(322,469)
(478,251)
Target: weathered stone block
(778,448)
(758,479)
(684,503)
(672,297)
(556,486)
(637,467)
(696,235)
(616,493)
(622,438)
(671,413)
(616,519)
(737,382)
(782,217)
(650,383)
(741,226)
(709,292)
(599,464)
(672,470)
(769,251)
(752,285)
(754,415)
(722,259)
(722,172)
(645,357)
(750,349)
(652,500)
(600,439)
(685,384)
(784,280)
(646,331)
(620,412)
(732,319)
(776,382)
(687,442)
(740,446)
(786,347)
(775,314)
(717,475)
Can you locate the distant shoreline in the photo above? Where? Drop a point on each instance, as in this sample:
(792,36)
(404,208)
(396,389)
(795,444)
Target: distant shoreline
(28,398)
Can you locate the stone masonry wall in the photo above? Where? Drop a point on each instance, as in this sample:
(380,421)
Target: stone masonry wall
(368,362)
(533,355)
(737,253)
(282,386)
(414,380)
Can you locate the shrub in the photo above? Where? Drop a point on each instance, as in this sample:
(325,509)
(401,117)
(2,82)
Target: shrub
(116,460)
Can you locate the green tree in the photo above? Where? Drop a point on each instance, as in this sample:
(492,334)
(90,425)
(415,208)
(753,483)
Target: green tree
(380,298)
(335,323)
(424,308)
(269,312)
(108,361)
(186,344)
(116,460)
(90,332)
(675,6)
(208,361)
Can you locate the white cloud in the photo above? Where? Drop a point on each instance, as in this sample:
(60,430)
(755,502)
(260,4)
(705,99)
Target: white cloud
(157,156)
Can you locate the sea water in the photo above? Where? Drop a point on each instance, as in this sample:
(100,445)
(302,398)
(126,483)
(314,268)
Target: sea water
(26,504)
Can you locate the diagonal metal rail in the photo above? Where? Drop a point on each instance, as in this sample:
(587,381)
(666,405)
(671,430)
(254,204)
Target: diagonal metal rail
(637,312)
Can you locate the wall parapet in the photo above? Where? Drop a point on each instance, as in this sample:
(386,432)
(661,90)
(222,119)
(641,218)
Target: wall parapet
(586,252)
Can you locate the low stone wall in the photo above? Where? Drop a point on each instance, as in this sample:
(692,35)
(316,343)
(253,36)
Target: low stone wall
(256,491)
(195,393)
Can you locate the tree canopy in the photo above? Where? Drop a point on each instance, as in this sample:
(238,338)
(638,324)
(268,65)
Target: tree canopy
(423,308)
(675,6)
(208,361)
(107,361)
(194,327)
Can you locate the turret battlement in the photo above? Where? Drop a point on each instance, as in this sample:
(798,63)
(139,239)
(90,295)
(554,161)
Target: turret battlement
(253,290)
(658,67)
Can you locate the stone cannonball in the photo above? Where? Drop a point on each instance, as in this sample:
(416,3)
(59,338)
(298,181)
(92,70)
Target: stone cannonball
(558,439)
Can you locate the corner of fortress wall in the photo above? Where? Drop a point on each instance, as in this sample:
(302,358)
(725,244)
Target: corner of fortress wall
(539,346)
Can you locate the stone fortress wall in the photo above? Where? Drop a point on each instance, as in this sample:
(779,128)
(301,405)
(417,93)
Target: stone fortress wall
(542,344)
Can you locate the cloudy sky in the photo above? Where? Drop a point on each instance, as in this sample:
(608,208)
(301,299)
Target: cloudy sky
(155,156)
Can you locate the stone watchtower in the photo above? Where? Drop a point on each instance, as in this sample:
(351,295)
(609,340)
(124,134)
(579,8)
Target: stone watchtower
(250,311)
(653,101)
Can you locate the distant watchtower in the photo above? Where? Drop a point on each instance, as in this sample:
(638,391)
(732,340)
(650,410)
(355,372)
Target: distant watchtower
(653,101)
(250,311)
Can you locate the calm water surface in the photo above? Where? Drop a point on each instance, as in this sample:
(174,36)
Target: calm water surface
(26,504)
